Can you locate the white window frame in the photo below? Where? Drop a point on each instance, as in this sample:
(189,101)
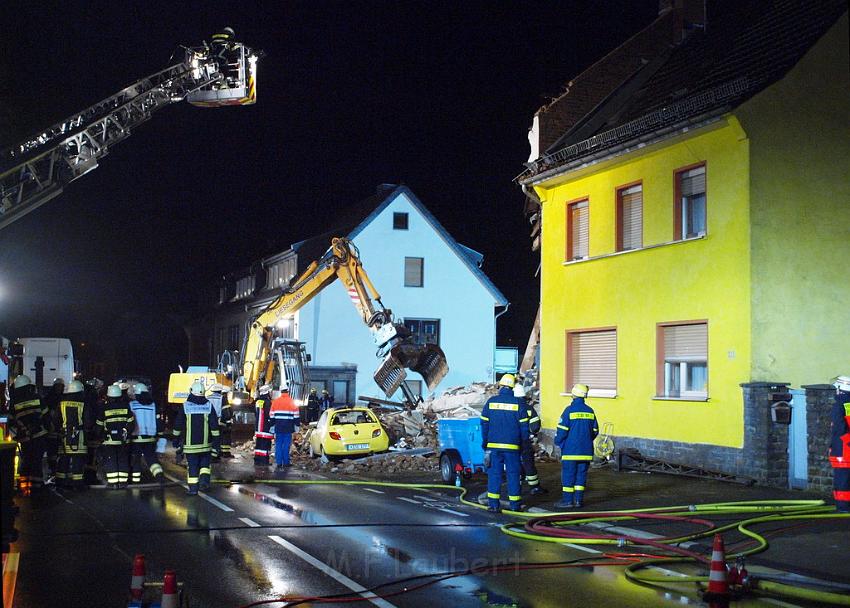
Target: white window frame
(677,367)
(421,271)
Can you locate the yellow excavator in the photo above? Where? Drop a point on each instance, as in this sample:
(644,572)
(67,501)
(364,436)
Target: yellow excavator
(266,358)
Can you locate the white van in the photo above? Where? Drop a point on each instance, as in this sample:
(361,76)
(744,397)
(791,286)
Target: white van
(57,357)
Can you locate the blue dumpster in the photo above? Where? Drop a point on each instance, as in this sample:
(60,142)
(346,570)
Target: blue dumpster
(460,446)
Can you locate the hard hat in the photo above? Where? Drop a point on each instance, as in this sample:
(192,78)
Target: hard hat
(22,381)
(265,389)
(124,386)
(325,391)
(113,391)
(198,388)
(229,31)
(140,388)
(58,381)
(284,385)
(216,388)
(580,390)
(225,389)
(842,383)
(312,391)
(519,390)
(507,380)
(74,386)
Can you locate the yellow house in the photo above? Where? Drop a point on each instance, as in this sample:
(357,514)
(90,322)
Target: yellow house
(694,205)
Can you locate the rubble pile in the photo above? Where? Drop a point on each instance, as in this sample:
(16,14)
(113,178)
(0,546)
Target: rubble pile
(391,463)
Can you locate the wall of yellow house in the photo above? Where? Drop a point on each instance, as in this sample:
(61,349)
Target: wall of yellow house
(800,176)
(707,278)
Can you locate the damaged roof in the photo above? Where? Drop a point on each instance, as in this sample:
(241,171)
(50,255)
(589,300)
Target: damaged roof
(747,46)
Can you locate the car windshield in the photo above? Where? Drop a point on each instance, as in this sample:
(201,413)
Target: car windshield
(352,417)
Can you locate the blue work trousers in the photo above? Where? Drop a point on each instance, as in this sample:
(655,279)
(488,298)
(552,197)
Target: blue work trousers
(506,461)
(198,470)
(573,479)
(282,441)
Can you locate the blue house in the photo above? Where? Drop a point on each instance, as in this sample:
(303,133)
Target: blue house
(431,282)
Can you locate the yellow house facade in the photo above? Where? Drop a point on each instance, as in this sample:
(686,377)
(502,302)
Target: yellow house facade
(681,262)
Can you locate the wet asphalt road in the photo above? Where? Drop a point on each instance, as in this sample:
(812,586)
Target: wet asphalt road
(245,543)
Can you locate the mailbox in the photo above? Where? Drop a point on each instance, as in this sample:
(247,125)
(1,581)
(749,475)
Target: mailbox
(780,408)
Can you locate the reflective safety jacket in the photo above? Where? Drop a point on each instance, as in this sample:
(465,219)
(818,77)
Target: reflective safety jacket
(262,418)
(504,421)
(26,415)
(533,419)
(148,426)
(577,429)
(196,426)
(117,421)
(72,414)
(221,406)
(839,445)
(284,414)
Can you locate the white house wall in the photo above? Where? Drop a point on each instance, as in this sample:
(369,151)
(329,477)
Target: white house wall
(451,293)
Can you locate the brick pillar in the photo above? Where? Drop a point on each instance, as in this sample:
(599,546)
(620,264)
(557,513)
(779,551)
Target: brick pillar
(765,453)
(819,400)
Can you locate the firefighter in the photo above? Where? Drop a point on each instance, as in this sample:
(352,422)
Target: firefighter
(326,402)
(196,429)
(285,417)
(577,429)
(73,449)
(54,426)
(218,398)
(148,430)
(504,432)
(839,445)
(94,396)
(529,469)
(222,50)
(27,426)
(312,406)
(116,422)
(262,426)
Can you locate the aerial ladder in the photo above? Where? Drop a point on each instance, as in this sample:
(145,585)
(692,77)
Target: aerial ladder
(265,357)
(37,170)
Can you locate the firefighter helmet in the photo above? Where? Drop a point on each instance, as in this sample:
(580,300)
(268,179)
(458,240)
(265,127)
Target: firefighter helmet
(58,381)
(284,385)
(508,380)
(74,386)
(842,383)
(22,381)
(197,388)
(265,389)
(580,390)
(519,390)
(113,391)
(140,388)
(216,388)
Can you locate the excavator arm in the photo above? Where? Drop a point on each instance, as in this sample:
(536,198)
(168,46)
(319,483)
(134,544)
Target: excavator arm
(393,341)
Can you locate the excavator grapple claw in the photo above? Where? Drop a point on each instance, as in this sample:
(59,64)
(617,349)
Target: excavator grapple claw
(427,360)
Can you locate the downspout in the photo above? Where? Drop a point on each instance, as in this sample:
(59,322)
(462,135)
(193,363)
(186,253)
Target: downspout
(493,360)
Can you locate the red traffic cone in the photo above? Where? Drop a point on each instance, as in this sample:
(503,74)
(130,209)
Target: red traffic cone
(169,590)
(137,581)
(718,582)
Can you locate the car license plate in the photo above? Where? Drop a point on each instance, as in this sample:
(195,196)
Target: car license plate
(357,446)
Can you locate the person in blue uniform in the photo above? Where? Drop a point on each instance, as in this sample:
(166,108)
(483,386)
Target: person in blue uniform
(839,445)
(529,468)
(577,429)
(196,431)
(504,431)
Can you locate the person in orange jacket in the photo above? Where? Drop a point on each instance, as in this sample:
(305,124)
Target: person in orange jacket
(285,417)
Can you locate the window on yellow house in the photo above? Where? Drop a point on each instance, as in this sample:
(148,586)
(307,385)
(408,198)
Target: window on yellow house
(682,360)
(630,217)
(690,202)
(577,230)
(592,360)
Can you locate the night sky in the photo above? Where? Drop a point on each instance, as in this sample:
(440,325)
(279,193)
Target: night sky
(435,95)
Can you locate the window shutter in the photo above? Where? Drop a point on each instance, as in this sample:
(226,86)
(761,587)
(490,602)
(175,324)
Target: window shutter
(693,181)
(593,359)
(579,237)
(686,342)
(632,217)
(413,272)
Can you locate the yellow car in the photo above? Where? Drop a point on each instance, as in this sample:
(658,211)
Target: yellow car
(348,431)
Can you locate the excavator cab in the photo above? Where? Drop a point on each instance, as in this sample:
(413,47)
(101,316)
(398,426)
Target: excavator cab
(428,360)
(237,66)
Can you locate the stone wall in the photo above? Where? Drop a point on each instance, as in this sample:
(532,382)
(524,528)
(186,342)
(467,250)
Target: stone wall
(819,399)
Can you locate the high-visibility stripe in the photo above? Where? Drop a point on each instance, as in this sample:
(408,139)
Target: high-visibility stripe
(192,480)
(579,488)
(581,416)
(508,407)
(531,477)
(493,495)
(513,498)
(576,457)
(567,488)
(523,419)
(485,418)
(503,446)
(111,413)
(535,419)
(561,426)
(205,471)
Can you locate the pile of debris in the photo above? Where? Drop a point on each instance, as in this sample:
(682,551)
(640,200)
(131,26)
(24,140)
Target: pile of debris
(379,465)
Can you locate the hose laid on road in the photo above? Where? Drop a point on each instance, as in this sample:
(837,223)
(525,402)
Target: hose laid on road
(556,528)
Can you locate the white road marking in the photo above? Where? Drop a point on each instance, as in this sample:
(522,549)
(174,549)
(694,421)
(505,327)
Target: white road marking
(410,500)
(206,497)
(373,491)
(338,576)
(250,522)
(426,498)
(454,512)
